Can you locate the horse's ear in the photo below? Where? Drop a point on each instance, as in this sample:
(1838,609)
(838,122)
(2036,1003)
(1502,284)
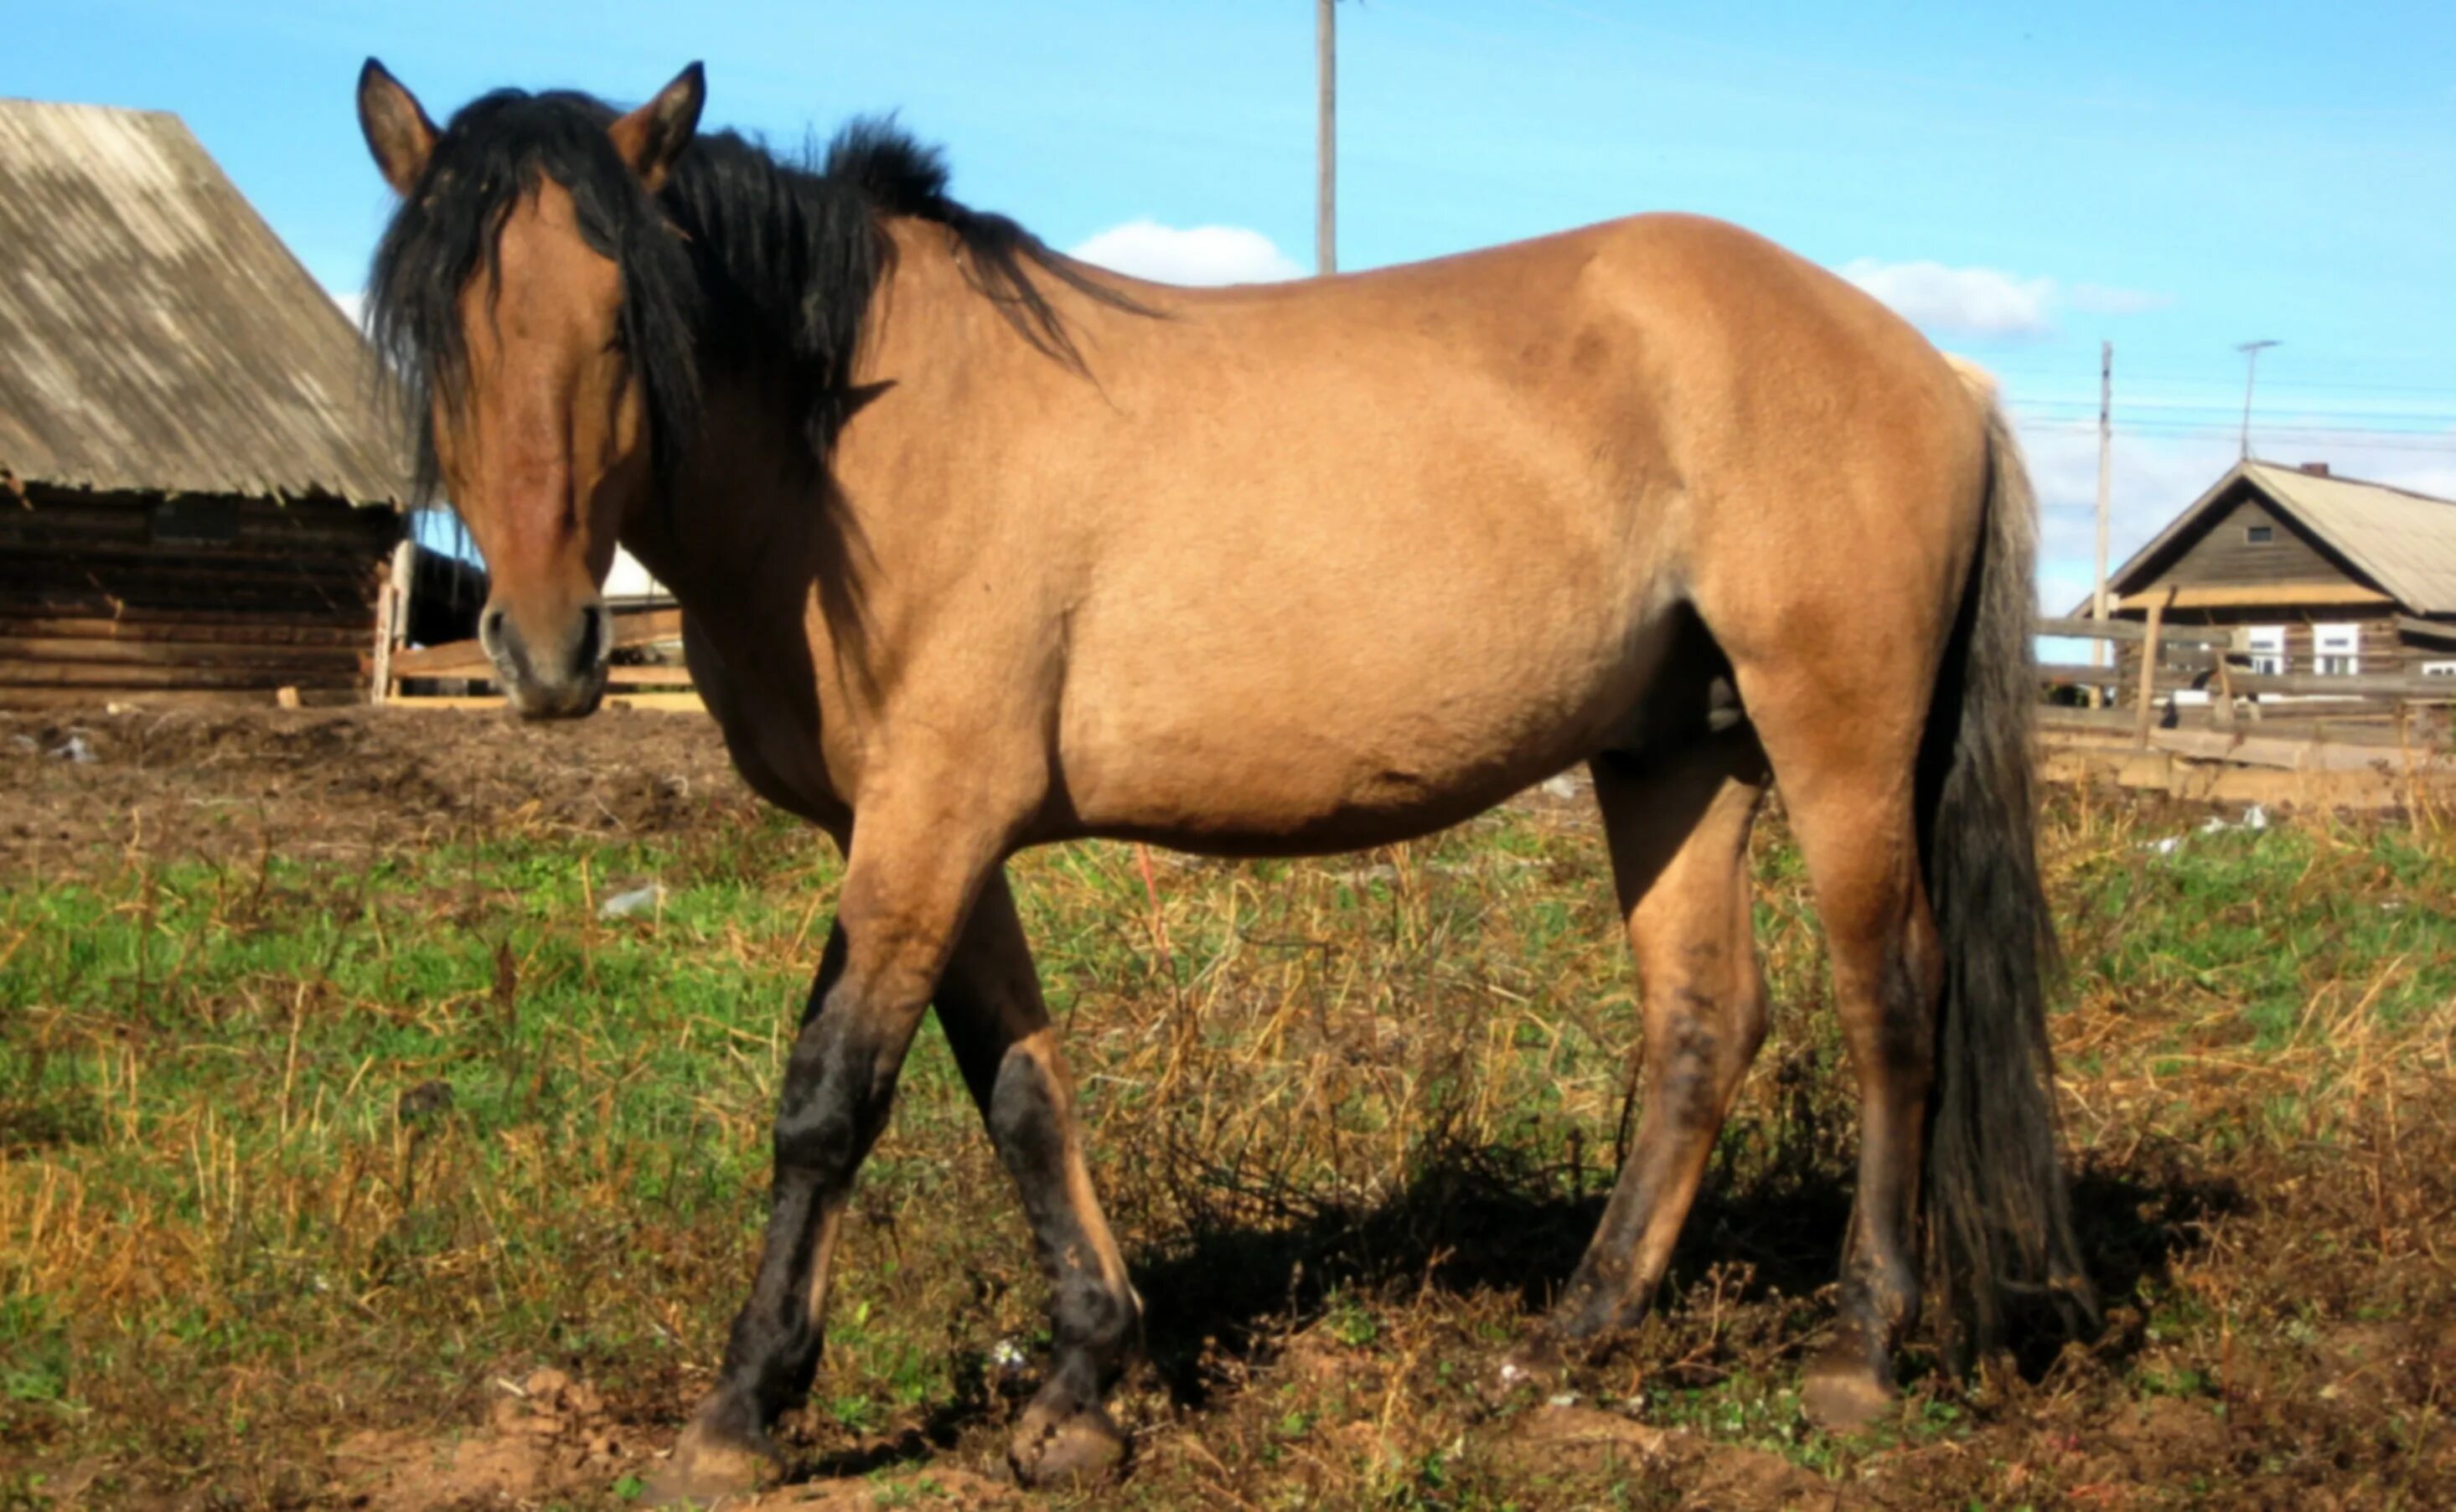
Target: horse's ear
(652,136)
(396,129)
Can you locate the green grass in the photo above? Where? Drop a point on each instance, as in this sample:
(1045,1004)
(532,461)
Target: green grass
(288,1149)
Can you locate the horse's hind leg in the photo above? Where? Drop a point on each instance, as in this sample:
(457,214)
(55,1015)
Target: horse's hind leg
(1679,831)
(1846,757)
(991,1006)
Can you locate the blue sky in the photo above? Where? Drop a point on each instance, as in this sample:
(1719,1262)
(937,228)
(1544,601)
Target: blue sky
(2024,180)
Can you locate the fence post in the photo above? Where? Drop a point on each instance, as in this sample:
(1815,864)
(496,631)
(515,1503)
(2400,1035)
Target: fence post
(2151,656)
(392,617)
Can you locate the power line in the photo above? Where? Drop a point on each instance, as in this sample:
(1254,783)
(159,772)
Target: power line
(2368,440)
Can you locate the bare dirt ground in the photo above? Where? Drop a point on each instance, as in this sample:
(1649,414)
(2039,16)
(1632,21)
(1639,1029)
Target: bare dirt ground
(321,782)
(1352,1145)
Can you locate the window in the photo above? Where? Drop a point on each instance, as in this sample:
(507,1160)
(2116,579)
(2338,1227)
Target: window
(2439,669)
(2337,650)
(2259,535)
(2266,644)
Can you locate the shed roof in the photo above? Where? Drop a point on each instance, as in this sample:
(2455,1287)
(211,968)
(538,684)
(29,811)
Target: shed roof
(2403,542)
(157,336)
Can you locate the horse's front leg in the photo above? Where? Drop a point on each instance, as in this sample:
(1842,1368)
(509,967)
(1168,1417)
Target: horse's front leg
(998,1028)
(910,880)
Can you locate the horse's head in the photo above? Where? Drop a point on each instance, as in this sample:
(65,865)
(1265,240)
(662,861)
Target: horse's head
(535,305)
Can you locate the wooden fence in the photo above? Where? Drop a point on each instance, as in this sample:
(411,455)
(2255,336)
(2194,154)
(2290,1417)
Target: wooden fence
(647,670)
(2190,705)
(2177,702)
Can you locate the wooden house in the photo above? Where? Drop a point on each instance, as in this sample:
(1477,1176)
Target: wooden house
(198,491)
(2308,573)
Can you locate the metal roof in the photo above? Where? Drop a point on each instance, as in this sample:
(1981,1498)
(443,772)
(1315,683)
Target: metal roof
(2403,542)
(157,336)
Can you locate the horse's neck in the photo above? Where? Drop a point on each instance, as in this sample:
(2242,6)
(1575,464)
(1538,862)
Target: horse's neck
(751,532)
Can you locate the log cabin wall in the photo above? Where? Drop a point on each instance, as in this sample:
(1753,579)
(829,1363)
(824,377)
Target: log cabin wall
(187,599)
(2383,648)
(2252,545)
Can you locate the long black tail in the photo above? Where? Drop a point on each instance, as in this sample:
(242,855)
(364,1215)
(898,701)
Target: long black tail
(1999,1216)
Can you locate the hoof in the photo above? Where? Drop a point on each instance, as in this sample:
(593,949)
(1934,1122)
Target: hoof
(711,1469)
(1081,1447)
(1849,1387)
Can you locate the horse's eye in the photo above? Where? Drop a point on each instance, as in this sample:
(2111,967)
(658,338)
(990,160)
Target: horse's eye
(619,344)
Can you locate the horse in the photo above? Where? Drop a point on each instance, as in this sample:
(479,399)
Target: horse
(980,548)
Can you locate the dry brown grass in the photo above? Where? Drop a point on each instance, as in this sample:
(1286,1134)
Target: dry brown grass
(308,1168)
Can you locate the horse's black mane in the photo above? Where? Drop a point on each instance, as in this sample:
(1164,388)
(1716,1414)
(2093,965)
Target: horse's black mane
(741,260)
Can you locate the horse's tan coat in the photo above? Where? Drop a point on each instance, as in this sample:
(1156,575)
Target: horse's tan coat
(1282,570)
(1423,540)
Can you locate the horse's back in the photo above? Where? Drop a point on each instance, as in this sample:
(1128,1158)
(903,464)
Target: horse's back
(1371,553)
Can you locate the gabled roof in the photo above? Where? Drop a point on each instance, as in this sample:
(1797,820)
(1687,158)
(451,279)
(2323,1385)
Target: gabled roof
(2403,542)
(154,333)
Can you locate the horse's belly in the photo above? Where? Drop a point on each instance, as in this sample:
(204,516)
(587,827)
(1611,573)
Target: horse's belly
(1333,753)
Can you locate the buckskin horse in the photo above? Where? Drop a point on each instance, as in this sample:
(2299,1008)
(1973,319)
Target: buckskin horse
(980,548)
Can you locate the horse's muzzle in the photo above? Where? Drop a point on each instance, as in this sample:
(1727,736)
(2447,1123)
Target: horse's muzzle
(558,673)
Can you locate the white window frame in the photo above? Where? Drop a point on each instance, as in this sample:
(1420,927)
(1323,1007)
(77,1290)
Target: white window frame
(2337,650)
(2267,645)
(2439,669)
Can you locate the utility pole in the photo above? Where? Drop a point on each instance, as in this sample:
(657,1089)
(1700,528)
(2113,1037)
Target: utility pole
(2097,649)
(2250,351)
(1325,212)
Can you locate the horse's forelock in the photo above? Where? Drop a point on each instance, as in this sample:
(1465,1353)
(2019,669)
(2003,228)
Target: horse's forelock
(498,150)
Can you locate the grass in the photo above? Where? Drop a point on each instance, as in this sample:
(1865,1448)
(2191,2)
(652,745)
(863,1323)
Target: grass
(297,1153)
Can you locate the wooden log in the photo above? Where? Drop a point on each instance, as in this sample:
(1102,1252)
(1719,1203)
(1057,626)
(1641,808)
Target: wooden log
(37,534)
(96,700)
(673,703)
(670,703)
(469,658)
(452,659)
(174,653)
(201,577)
(2264,595)
(2362,684)
(73,674)
(637,627)
(2201,671)
(2073,719)
(220,631)
(672,677)
(2131,632)
(2150,662)
(2263,752)
(64,602)
(2441,631)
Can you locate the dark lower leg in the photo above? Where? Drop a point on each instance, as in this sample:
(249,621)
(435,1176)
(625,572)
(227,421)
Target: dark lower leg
(1679,843)
(901,911)
(1888,1021)
(991,1006)
(838,1085)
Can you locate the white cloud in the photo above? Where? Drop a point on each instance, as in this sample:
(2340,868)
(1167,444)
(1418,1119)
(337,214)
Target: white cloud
(1197,255)
(353,304)
(2098,298)
(1988,303)
(1958,301)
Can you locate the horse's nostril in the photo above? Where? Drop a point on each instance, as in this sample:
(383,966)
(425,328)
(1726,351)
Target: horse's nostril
(490,632)
(589,647)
